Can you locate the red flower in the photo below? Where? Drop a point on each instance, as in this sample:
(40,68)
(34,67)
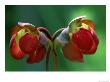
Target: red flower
(86,40)
(77,39)
(25,39)
(82,40)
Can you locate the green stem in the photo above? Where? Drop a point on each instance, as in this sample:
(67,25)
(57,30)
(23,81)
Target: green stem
(52,38)
(46,32)
(54,49)
(55,60)
(47,59)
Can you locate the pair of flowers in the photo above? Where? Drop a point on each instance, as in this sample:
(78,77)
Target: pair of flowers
(77,39)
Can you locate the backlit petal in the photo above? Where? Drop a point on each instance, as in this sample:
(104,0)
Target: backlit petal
(37,56)
(90,23)
(71,52)
(95,43)
(15,50)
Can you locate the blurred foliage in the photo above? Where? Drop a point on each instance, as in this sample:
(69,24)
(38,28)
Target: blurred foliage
(54,17)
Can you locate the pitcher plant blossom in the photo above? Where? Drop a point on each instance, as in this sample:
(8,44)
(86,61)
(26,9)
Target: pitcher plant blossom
(76,40)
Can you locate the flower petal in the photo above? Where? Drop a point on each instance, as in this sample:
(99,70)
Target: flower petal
(95,37)
(27,26)
(83,39)
(37,56)
(90,23)
(71,52)
(95,43)
(15,50)
(28,43)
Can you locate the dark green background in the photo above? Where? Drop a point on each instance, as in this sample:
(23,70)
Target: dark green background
(55,17)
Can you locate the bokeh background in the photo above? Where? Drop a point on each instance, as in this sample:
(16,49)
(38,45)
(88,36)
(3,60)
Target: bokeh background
(55,17)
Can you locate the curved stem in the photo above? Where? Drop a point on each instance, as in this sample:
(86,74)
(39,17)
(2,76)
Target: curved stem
(57,32)
(54,50)
(47,58)
(45,30)
(55,60)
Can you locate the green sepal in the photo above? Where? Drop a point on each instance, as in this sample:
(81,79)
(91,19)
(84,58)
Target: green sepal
(19,35)
(75,23)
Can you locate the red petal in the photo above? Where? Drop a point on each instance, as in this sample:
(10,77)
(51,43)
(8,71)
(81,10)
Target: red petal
(83,39)
(95,43)
(37,56)
(95,37)
(15,50)
(71,52)
(28,43)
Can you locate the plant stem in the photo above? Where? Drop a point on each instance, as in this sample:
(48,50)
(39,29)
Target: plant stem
(45,30)
(47,59)
(55,60)
(54,50)
(52,38)
(57,32)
